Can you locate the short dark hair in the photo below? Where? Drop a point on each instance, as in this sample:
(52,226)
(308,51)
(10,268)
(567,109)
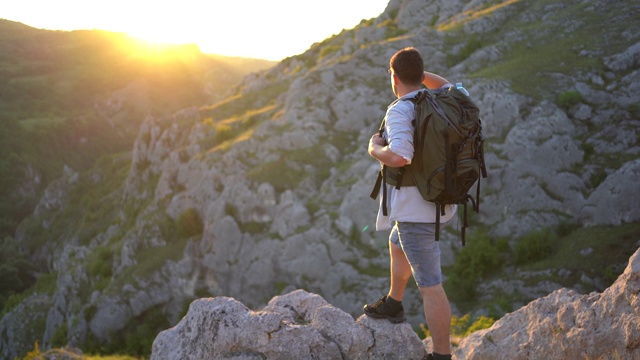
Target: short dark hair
(408,65)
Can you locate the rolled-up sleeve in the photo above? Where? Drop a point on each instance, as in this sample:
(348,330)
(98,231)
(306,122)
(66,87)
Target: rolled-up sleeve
(399,129)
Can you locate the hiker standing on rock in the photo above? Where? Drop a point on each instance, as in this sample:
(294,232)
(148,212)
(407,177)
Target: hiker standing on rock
(413,248)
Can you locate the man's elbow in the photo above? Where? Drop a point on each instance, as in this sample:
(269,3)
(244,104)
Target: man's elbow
(397,161)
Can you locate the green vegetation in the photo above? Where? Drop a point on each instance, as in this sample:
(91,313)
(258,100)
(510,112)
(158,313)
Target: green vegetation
(606,251)
(470,45)
(48,121)
(60,353)
(59,337)
(461,326)
(293,167)
(534,246)
(174,233)
(482,256)
(611,248)
(465,325)
(569,98)
(390,25)
(236,128)
(189,224)
(88,208)
(634,109)
(240,103)
(135,339)
(278,173)
(526,61)
(45,284)
(100,262)
(15,270)
(327,51)
(255,227)
(49,96)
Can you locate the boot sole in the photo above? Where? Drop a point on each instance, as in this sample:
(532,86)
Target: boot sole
(394,319)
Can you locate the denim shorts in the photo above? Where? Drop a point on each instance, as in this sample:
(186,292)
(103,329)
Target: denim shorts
(419,244)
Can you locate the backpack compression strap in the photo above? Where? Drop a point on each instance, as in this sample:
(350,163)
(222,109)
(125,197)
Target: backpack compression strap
(381,181)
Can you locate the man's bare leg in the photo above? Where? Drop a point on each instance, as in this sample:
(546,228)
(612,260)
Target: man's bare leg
(437,311)
(400,272)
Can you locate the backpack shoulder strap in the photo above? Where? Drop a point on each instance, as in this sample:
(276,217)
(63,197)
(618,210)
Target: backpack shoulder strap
(382,174)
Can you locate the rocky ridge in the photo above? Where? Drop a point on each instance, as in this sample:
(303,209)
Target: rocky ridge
(301,325)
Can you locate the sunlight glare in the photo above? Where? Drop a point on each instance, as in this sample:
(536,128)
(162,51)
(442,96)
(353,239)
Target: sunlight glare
(269,30)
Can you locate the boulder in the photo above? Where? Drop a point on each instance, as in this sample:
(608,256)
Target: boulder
(298,325)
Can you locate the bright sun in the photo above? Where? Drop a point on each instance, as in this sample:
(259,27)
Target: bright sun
(270,30)
(220,28)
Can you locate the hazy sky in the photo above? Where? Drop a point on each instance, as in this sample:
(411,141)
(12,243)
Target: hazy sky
(267,29)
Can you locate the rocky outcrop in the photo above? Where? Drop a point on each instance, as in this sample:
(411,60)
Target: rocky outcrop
(20,328)
(618,191)
(567,325)
(302,325)
(298,325)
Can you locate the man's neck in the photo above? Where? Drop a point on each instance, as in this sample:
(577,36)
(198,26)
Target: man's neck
(406,90)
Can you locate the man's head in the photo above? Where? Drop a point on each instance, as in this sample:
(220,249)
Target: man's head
(407,66)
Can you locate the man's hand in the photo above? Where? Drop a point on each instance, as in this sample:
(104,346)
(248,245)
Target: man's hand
(376,141)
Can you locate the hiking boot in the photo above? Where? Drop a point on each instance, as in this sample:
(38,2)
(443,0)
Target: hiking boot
(386,308)
(433,357)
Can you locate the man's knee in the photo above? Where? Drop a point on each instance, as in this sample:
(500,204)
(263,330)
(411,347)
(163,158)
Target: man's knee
(432,291)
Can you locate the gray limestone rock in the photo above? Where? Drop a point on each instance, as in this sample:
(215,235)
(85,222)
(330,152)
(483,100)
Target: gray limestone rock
(298,325)
(567,325)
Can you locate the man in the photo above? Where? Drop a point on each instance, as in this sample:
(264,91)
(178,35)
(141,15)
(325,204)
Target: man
(412,245)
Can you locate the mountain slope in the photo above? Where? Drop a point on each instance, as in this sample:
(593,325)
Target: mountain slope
(68,98)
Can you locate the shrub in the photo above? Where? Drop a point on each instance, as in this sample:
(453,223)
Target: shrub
(254,227)
(223,133)
(59,337)
(481,256)
(470,46)
(33,354)
(328,50)
(392,29)
(99,262)
(231,210)
(568,99)
(461,326)
(135,339)
(597,177)
(565,228)
(464,325)
(482,322)
(534,246)
(634,109)
(189,224)
(15,270)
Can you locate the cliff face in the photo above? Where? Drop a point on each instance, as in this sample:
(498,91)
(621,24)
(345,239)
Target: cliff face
(267,191)
(301,325)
